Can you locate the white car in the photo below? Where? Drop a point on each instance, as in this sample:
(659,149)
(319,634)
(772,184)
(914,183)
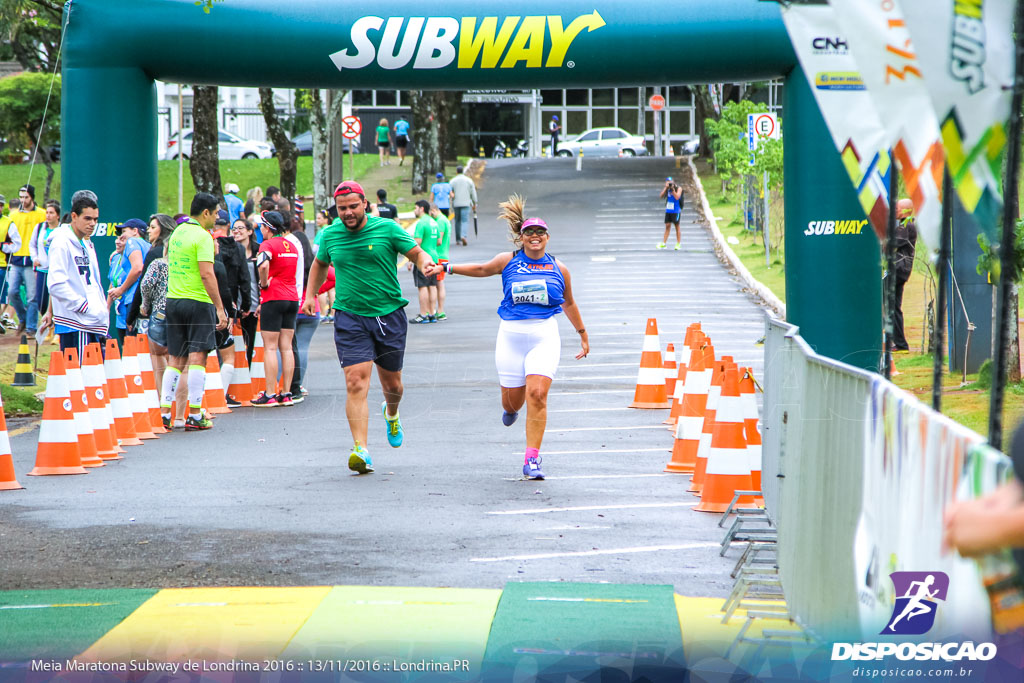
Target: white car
(230,146)
(602,142)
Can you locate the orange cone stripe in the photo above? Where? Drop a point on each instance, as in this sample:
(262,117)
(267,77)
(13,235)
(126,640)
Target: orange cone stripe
(57,452)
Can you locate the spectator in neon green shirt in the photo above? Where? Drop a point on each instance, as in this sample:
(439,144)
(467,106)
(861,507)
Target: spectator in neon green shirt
(444,229)
(426,235)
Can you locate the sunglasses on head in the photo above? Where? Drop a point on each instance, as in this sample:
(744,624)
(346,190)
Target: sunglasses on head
(530,232)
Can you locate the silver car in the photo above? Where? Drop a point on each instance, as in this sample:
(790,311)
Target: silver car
(602,142)
(229,146)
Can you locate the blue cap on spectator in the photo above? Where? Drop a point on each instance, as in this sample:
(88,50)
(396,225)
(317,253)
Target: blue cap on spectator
(440,175)
(222,215)
(131,223)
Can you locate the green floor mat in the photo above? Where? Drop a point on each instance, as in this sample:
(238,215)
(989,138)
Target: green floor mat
(59,624)
(542,630)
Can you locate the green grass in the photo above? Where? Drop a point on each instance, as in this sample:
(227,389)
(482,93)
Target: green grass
(246,173)
(750,250)
(21,402)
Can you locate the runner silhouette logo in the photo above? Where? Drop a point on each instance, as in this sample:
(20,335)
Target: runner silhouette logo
(917,596)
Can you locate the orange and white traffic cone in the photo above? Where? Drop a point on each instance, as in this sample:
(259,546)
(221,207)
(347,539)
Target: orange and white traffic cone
(685,360)
(650,381)
(136,392)
(87,450)
(99,412)
(213,394)
(241,383)
(750,430)
(149,390)
(708,426)
(669,363)
(7,480)
(728,468)
(120,404)
(57,452)
(691,418)
(257,370)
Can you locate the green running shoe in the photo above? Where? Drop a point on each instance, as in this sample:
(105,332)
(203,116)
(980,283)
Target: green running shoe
(395,432)
(359,460)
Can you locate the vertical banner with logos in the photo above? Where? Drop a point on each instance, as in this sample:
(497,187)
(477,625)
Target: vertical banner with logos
(915,461)
(965,51)
(849,114)
(892,75)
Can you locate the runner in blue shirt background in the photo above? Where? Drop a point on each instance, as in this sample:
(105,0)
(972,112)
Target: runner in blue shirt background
(442,192)
(401,138)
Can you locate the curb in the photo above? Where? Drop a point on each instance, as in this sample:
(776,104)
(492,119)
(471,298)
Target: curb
(729,255)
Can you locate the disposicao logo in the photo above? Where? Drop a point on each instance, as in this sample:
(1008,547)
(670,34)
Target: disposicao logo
(437,42)
(917,594)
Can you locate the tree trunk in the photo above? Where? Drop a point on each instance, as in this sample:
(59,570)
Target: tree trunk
(427,162)
(448,103)
(703,108)
(1013,348)
(287,153)
(318,127)
(205,161)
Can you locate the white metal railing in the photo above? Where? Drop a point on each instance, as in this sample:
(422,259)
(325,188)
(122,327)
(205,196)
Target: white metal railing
(856,476)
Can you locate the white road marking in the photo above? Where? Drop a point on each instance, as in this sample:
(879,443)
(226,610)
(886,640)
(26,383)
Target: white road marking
(603,450)
(603,429)
(587,508)
(601,391)
(586,553)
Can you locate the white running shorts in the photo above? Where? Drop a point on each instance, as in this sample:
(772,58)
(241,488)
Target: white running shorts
(526,347)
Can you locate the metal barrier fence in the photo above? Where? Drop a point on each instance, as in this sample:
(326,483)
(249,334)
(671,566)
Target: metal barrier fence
(856,474)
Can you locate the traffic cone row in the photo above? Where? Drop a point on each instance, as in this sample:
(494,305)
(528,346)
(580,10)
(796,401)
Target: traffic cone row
(96,405)
(713,416)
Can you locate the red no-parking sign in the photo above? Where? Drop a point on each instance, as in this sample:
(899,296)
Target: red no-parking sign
(351,126)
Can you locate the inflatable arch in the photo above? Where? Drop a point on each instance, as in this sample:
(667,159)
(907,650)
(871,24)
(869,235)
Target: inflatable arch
(114,49)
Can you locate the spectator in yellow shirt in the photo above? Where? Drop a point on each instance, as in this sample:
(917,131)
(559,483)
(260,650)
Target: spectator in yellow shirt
(19,270)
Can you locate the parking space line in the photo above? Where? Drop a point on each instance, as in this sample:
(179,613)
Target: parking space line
(588,508)
(587,553)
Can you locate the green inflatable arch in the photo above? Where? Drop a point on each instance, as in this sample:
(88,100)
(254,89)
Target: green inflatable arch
(115,49)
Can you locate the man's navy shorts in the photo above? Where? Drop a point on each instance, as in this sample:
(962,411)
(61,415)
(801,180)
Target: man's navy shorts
(380,339)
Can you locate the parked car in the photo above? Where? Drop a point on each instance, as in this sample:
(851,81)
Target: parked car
(691,146)
(230,146)
(304,141)
(602,142)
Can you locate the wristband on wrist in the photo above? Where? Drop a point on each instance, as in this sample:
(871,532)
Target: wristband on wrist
(447,268)
(582,330)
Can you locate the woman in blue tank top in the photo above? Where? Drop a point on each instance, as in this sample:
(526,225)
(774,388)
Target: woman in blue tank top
(536,286)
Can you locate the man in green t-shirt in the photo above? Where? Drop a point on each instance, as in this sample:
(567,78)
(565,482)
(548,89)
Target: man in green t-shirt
(444,231)
(369,323)
(194,310)
(427,236)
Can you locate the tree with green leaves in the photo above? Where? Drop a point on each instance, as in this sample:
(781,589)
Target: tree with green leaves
(989,263)
(728,138)
(204,164)
(30,33)
(27,120)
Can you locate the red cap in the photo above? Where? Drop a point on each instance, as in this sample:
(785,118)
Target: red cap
(348,187)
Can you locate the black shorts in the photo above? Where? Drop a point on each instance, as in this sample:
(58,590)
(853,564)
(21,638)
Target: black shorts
(421,280)
(360,339)
(672,218)
(278,315)
(383,143)
(401,141)
(191,327)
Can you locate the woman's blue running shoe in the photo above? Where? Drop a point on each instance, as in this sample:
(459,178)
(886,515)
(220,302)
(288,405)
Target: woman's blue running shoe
(508,419)
(394,426)
(532,468)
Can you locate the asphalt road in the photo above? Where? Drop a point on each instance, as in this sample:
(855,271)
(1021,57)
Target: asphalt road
(266,497)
